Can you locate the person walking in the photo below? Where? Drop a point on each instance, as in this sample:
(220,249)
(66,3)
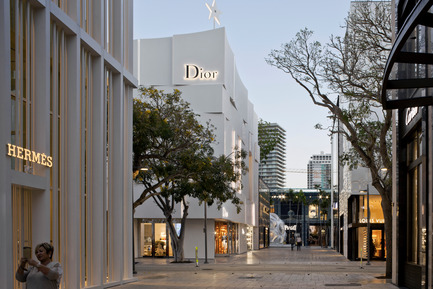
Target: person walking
(292,242)
(298,243)
(44,274)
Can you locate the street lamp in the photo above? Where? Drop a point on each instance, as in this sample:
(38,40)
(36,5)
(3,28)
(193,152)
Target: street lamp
(205,231)
(368,225)
(320,222)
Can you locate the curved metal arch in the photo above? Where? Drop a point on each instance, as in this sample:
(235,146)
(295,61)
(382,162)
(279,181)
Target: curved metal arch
(418,16)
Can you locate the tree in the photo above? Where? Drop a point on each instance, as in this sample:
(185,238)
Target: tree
(268,139)
(352,67)
(174,160)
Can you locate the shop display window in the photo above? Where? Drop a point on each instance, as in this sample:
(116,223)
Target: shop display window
(147,239)
(376,213)
(313,212)
(155,240)
(221,238)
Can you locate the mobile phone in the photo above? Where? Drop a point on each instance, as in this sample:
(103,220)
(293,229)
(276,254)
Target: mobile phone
(27,251)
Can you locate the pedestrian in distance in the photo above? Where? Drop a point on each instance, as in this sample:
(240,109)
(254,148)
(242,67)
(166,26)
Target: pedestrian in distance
(298,243)
(41,274)
(292,242)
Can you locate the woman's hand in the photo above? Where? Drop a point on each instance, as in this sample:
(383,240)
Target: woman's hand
(33,263)
(23,261)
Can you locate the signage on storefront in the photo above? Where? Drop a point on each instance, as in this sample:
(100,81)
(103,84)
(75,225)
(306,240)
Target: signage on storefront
(292,228)
(377,221)
(28,155)
(411,112)
(193,72)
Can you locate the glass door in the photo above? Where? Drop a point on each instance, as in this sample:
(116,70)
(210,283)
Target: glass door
(147,247)
(377,244)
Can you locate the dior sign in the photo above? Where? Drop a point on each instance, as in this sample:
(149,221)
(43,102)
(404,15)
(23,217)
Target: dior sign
(193,72)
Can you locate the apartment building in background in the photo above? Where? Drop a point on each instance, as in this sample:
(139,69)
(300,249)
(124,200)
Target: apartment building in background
(273,169)
(319,171)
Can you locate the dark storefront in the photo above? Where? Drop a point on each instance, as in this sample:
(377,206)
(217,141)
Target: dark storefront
(264,211)
(408,87)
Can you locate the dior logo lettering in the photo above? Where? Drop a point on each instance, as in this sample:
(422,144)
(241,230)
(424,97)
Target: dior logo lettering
(194,72)
(28,155)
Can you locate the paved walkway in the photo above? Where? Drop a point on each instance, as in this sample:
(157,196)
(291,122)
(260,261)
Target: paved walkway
(275,267)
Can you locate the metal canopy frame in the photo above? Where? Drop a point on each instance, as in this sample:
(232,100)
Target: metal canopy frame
(419,16)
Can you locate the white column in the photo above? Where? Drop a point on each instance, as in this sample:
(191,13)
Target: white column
(127,176)
(6,263)
(71,166)
(97,167)
(41,135)
(115,179)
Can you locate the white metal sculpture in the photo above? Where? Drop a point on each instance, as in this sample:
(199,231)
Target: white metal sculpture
(277,230)
(214,13)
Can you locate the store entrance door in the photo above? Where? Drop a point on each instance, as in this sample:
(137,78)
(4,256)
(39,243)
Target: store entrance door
(21,224)
(378,244)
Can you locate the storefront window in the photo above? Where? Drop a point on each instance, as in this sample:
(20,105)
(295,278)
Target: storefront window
(160,240)
(413,197)
(313,239)
(146,230)
(22,64)
(362,243)
(377,244)
(22,224)
(376,213)
(249,238)
(221,238)
(155,240)
(313,212)
(233,238)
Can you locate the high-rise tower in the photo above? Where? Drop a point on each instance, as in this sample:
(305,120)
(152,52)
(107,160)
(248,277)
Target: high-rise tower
(319,171)
(272,170)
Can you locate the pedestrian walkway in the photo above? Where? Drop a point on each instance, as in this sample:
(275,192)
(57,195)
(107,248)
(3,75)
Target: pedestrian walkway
(274,268)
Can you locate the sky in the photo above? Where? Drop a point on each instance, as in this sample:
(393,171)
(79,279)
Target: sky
(253,29)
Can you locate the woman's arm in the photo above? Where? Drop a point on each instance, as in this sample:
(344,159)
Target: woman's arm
(21,274)
(51,273)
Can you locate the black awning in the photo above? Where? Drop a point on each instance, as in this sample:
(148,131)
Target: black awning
(406,89)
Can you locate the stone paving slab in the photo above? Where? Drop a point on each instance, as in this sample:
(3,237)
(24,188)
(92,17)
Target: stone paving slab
(275,267)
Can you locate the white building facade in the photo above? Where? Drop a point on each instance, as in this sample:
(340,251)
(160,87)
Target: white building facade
(66,138)
(202,66)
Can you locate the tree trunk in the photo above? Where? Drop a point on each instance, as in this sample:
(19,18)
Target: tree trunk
(177,241)
(176,245)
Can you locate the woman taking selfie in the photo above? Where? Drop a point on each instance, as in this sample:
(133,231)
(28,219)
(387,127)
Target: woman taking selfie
(44,274)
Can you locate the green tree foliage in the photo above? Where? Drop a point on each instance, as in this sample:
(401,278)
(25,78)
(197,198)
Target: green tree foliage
(174,159)
(268,139)
(351,67)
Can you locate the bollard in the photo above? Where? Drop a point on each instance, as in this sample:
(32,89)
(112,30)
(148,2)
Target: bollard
(196,256)
(361,259)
